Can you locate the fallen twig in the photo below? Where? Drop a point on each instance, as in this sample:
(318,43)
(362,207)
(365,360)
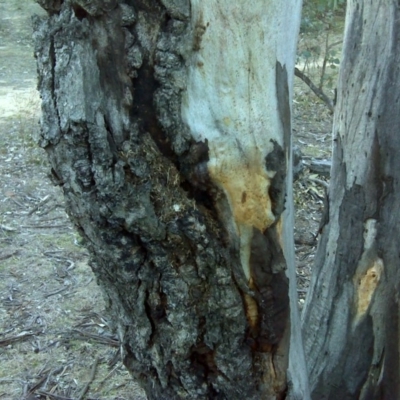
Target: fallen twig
(100,385)
(53,253)
(44,226)
(18,338)
(41,203)
(320,94)
(48,210)
(17,202)
(7,254)
(37,385)
(319,181)
(306,242)
(78,334)
(56,292)
(58,257)
(52,396)
(320,167)
(91,379)
(7,228)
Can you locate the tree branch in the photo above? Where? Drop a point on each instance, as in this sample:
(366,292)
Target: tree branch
(321,95)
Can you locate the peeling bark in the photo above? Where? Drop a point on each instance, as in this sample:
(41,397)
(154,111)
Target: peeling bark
(189,228)
(351,316)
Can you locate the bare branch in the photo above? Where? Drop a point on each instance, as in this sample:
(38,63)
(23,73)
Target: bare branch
(320,94)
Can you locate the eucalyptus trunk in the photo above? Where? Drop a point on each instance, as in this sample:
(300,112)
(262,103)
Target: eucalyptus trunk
(351,317)
(167,125)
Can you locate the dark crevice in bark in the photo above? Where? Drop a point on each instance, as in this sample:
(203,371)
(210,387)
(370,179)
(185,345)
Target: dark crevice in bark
(202,360)
(149,6)
(350,247)
(160,311)
(143,110)
(201,197)
(276,161)
(167,21)
(52,60)
(84,164)
(80,12)
(149,311)
(284,109)
(54,177)
(196,181)
(283,395)
(111,141)
(271,289)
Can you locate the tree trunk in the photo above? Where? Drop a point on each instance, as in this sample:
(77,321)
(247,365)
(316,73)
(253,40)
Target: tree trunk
(351,317)
(167,124)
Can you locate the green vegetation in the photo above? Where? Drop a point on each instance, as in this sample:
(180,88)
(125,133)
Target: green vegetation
(319,48)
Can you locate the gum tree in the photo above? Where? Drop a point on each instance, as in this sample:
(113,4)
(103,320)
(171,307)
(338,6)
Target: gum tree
(351,317)
(167,124)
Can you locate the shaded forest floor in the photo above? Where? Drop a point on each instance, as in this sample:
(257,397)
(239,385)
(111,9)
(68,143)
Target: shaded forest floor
(55,342)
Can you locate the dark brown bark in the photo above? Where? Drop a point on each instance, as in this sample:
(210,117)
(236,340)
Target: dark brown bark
(351,318)
(112,74)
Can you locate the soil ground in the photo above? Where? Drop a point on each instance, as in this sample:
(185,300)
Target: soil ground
(55,342)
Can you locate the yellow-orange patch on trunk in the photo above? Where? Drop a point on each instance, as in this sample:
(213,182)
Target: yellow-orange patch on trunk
(366,285)
(243,177)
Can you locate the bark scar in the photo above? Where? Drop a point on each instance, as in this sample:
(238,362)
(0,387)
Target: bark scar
(369,271)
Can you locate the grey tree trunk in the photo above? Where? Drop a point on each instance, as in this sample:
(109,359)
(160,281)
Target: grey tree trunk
(351,317)
(167,124)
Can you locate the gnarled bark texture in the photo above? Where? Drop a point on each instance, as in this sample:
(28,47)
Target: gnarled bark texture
(167,124)
(351,318)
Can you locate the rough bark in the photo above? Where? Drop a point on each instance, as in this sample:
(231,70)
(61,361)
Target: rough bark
(351,317)
(175,164)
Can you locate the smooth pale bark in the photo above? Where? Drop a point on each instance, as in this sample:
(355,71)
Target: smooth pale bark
(351,317)
(167,124)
